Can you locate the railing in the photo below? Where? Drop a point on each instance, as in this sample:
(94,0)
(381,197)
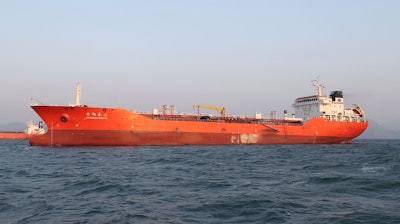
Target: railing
(241,120)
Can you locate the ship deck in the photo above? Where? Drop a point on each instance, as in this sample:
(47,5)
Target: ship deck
(220,119)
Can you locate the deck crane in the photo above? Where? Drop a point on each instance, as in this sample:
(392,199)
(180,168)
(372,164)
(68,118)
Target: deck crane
(220,109)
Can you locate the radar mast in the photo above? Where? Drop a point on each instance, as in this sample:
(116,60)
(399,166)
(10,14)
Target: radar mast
(318,86)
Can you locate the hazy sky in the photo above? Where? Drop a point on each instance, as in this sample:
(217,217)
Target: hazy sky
(248,56)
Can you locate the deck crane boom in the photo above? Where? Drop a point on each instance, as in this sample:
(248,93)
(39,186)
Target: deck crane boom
(220,109)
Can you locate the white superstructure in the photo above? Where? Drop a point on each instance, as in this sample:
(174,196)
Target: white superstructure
(331,108)
(34,129)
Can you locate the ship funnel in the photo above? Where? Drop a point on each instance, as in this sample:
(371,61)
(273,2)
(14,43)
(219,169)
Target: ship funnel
(78,95)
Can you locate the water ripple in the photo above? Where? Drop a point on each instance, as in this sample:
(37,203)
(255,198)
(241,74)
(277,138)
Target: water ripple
(356,183)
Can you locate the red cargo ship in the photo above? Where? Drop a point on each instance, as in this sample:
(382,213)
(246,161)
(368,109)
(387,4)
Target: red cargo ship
(317,119)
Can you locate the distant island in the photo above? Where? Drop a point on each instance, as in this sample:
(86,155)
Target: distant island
(377,131)
(14,126)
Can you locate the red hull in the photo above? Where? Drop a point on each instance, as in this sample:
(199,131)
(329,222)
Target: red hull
(88,126)
(121,138)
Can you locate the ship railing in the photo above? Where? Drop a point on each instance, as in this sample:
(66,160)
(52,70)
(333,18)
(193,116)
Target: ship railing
(265,122)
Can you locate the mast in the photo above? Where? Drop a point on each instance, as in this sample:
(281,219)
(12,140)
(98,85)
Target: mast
(78,95)
(319,87)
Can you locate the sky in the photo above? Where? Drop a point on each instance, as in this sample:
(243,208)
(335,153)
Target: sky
(247,56)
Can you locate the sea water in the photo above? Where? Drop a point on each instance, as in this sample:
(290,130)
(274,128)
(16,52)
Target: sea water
(346,183)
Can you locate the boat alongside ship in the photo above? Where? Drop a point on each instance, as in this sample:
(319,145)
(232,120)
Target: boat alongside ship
(32,130)
(317,119)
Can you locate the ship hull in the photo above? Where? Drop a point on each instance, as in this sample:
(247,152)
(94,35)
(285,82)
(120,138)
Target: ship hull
(87,126)
(131,138)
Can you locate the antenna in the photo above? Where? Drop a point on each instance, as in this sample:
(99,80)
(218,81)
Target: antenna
(36,102)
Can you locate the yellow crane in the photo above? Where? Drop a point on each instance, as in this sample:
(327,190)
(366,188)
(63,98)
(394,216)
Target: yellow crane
(220,109)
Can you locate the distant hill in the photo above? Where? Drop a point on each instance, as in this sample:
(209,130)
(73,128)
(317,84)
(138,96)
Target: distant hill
(392,125)
(15,126)
(377,131)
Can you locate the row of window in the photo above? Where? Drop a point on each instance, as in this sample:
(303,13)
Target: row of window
(340,118)
(307,100)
